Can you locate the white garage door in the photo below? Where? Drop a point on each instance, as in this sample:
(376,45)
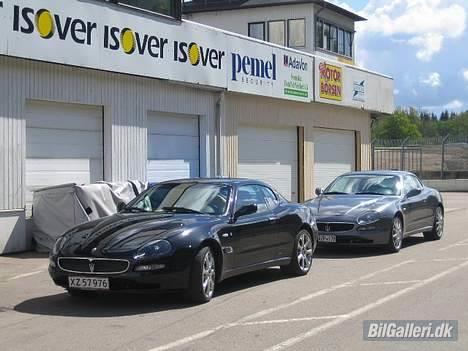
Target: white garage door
(335,154)
(64,144)
(270,155)
(173,147)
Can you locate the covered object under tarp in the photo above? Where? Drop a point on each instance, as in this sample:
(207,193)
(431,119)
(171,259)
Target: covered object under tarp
(59,208)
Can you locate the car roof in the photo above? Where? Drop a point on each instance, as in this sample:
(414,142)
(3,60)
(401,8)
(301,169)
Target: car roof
(381,173)
(220,180)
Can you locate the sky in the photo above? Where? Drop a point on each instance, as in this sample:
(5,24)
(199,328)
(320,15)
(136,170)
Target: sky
(422,44)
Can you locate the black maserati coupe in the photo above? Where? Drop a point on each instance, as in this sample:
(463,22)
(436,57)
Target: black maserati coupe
(377,208)
(189,235)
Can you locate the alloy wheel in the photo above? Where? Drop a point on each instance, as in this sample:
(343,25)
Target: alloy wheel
(208,275)
(304,250)
(439,222)
(397,233)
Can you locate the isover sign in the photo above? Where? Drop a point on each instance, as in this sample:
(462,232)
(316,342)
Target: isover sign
(96,36)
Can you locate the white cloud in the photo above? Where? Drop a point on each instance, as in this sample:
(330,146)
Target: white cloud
(396,91)
(454,105)
(433,80)
(424,24)
(465,74)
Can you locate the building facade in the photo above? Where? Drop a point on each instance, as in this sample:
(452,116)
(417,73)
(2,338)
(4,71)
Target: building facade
(314,26)
(101,91)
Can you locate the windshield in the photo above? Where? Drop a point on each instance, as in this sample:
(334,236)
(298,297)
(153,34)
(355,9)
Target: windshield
(209,199)
(366,184)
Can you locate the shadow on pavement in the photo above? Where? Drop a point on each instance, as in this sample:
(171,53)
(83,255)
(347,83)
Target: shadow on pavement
(127,304)
(350,252)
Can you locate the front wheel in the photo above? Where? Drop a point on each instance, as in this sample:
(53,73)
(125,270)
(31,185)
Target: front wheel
(396,236)
(203,277)
(438,228)
(303,255)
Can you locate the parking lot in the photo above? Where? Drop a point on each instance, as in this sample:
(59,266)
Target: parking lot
(259,311)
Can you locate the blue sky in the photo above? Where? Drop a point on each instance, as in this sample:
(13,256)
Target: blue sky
(423,44)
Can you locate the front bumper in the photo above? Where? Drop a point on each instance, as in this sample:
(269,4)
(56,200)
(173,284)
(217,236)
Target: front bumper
(376,234)
(166,279)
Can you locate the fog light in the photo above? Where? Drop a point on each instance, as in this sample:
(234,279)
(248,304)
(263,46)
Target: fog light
(149,267)
(52,262)
(366,229)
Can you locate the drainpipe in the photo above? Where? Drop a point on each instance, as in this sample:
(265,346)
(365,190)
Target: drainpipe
(219,122)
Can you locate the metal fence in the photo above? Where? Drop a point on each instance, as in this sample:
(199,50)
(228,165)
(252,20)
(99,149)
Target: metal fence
(430,158)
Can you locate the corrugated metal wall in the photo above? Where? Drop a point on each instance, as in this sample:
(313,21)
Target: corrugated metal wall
(251,110)
(125,100)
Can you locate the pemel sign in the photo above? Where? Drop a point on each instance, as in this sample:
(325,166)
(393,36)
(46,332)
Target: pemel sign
(253,67)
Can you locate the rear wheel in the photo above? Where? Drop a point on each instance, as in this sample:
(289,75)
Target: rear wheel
(437,231)
(303,255)
(203,276)
(396,236)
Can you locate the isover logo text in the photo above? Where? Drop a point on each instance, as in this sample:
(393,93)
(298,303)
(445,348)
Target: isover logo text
(253,70)
(120,39)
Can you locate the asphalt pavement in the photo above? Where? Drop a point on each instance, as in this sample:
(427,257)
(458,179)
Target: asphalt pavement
(258,311)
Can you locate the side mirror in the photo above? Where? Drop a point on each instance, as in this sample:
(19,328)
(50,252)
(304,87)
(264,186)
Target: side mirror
(245,211)
(413,193)
(121,206)
(318,191)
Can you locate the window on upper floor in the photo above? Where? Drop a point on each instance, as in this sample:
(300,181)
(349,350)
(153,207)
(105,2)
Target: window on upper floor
(277,32)
(166,7)
(332,38)
(257,30)
(296,33)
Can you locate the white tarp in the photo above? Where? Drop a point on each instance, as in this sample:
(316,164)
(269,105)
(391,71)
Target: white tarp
(57,209)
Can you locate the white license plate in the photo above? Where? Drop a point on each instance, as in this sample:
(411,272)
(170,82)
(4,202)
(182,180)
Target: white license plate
(88,283)
(327,238)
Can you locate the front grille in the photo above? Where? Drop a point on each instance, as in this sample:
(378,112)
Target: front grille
(335,227)
(93,265)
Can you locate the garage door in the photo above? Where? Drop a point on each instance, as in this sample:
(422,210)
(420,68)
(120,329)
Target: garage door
(64,144)
(270,155)
(173,147)
(335,154)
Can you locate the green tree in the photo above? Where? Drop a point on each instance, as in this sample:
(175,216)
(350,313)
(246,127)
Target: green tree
(400,126)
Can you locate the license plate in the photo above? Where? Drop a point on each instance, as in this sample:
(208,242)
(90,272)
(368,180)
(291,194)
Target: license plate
(87,283)
(327,238)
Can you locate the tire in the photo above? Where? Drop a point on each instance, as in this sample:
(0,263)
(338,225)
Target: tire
(302,255)
(437,231)
(202,277)
(395,240)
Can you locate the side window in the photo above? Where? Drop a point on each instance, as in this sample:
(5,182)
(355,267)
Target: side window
(251,194)
(410,184)
(270,198)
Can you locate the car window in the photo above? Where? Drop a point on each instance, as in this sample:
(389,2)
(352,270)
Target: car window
(411,183)
(204,198)
(251,194)
(270,197)
(365,184)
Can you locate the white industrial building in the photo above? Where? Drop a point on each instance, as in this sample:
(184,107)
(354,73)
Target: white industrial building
(94,90)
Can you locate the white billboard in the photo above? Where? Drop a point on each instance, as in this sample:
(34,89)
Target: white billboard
(91,34)
(266,70)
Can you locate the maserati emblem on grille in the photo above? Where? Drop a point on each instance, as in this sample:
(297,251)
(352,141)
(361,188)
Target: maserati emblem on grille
(91,266)
(327,228)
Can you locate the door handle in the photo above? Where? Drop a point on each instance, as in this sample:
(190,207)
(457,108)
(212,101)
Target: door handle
(273,219)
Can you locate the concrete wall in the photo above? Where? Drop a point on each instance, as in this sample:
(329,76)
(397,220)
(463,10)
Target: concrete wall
(448,185)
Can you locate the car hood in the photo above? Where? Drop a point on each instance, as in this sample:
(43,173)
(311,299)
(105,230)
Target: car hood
(127,232)
(349,205)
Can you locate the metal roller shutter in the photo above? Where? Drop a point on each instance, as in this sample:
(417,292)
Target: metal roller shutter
(64,144)
(270,155)
(173,147)
(335,154)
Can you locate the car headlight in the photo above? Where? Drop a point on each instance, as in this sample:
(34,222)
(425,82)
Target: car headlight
(368,218)
(155,249)
(59,244)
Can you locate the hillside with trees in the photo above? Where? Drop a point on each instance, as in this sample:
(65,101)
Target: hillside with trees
(414,124)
